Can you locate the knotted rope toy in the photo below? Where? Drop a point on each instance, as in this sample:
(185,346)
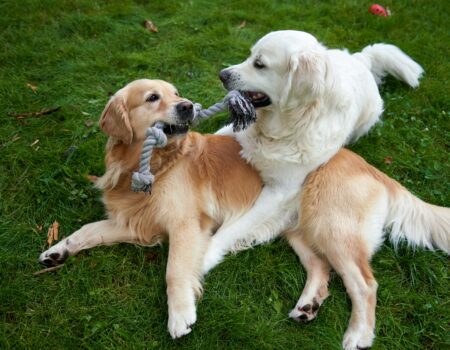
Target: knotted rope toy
(242,114)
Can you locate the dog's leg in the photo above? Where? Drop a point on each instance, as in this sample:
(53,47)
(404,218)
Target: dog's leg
(186,249)
(316,287)
(268,206)
(97,233)
(361,286)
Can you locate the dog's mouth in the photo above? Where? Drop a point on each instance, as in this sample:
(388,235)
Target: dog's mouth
(259,99)
(175,129)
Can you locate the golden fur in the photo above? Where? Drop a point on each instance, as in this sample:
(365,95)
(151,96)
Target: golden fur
(202,183)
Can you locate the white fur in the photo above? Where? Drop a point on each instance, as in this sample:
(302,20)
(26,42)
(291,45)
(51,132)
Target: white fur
(321,100)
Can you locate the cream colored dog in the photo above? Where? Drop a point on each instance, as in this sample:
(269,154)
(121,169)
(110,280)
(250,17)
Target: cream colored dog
(310,101)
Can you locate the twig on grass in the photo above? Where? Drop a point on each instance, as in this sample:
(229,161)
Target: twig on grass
(48,269)
(42,112)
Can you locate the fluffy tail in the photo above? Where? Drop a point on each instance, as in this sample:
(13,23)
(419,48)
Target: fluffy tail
(417,222)
(384,59)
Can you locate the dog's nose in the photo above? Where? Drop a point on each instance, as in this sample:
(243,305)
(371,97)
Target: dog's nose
(185,110)
(224,75)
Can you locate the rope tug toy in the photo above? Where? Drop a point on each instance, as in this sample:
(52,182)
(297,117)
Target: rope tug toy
(242,114)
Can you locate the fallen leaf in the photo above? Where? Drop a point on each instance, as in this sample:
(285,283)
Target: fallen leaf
(85,113)
(39,228)
(55,227)
(15,138)
(92,178)
(32,87)
(34,142)
(50,236)
(388,160)
(150,26)
(52,233)
(243,24)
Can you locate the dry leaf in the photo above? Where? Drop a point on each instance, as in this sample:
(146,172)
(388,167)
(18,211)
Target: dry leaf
(32,87)
(15,138)
(150,26)
(243,24)
(39,228)
(34,142)
(388,160)
(50,236)
(55,227)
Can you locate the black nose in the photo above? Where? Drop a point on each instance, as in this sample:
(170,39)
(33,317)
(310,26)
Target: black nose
(224,75)
(185,110)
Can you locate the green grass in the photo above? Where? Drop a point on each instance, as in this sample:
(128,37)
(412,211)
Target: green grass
(77,53)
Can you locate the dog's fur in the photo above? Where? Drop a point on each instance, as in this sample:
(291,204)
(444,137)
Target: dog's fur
(315,100)
(201,182)
(345,207)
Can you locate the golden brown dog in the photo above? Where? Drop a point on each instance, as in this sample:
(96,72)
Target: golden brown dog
(201,183)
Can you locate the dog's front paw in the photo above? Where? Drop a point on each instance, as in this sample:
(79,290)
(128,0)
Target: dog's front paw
(358,339)
(55,255)
(304,313)
(180,323)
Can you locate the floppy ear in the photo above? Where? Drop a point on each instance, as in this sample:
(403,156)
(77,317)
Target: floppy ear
(115,120)
(308,69)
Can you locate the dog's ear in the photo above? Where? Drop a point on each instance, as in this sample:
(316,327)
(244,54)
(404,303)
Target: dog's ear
(115,120)
(309,69)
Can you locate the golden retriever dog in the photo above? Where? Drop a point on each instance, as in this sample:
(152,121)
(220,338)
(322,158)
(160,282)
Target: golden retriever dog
(201,183)
(310,101)
(345,207)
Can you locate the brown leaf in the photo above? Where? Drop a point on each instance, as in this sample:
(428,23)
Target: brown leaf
(92,178)
(55,227)
(243,24)
(388,160)
(32,87)
(39,228)
(150,26)
(50,236)
(15,138)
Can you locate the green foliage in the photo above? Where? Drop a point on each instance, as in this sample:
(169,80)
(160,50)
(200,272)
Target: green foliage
(78,52)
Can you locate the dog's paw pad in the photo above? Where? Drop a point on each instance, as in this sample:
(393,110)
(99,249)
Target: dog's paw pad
(306,312)
(53,259)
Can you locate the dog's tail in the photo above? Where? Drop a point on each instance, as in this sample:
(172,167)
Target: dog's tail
(384,59)
(419,223)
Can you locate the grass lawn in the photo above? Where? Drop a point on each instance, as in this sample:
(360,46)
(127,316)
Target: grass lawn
(74,54)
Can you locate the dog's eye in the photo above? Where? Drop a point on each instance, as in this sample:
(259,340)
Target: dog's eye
(177,94)
(258,64)
(152,98)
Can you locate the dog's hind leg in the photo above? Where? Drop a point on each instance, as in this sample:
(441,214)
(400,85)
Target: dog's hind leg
(353,266)
(91,235)
(318,272)
(187,244)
